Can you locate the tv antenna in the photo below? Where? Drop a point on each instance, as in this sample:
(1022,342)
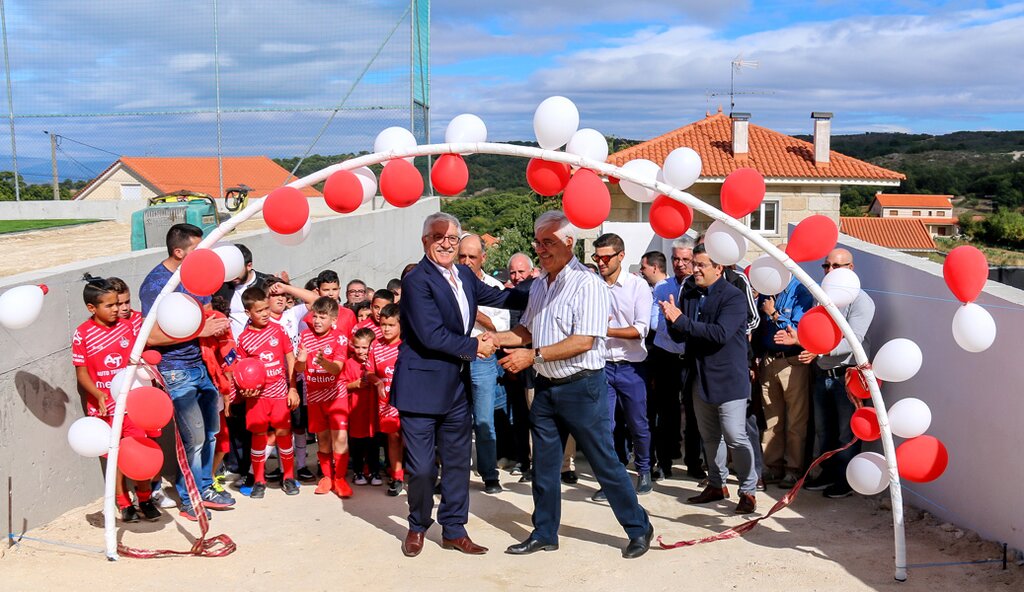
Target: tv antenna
(736,67)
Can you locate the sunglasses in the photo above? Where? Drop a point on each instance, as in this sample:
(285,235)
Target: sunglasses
(829,266)
(605,258)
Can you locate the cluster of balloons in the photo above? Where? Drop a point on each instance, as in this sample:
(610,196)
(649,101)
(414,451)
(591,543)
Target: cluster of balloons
(20,306)
(812,239)
(204,271)
(148,407)
(965,271)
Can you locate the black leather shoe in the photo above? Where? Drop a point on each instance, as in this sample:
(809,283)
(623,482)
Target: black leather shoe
(305,475)
(569,477)
(639,545)
(527,476)
(696,473)
(644,484)
(530,546)
(492,486)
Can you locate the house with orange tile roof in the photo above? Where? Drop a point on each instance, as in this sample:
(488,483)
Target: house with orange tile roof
(906,234)
(802,178)
(936,211)
(134,177)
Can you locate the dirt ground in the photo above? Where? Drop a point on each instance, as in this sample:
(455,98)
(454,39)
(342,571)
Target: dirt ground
(322,543)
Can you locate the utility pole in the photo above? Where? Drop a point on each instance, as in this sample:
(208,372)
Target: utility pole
(53,164)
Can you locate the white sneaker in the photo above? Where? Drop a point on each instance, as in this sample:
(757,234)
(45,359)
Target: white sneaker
(162,500)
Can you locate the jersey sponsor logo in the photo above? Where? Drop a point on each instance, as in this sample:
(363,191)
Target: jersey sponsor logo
(274,342)
(389,371)
(124,343)
(266,357)
(112,361)
(328,350)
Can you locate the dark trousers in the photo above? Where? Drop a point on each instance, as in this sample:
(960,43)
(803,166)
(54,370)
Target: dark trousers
(664,410)
(515,388)
(451,434)
(691,431)
(832,413)
(581,409)
(238,459)
(627,389)
(365,455)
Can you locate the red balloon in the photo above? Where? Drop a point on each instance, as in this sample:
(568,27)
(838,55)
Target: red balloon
(965,271)
(343,192)
(152,357)
(286,210)
(812,238)
(922,459)
(450,174)
(854,385)
(670,218)
(149,407)
(400,183)
(817,332)
(586,201)
(140,458)
(250,373)
(742,192)
(546,177)
(864,424)
(202,272)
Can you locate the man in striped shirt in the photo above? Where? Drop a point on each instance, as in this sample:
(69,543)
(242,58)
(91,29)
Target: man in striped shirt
(567,322)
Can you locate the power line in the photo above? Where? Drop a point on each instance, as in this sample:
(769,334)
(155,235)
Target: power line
(60,137)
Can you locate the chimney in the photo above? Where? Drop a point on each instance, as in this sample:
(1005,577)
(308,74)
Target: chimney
(822,137)
(740,135)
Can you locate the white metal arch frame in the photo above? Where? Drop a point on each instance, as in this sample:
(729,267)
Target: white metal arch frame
(110,510)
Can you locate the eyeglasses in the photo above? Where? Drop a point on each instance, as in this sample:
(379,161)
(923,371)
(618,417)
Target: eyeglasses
(681,260)
(546,243)
(829,266)
(451,239)
(357,291)
(605,258)
(698,265)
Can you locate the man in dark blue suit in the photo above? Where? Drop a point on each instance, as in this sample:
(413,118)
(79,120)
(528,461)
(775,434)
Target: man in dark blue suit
(432,381)
(711,319)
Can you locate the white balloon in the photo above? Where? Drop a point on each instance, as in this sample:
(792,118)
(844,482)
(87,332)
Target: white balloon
(142,378)
(842,286)
(725,246)
(465,128)
(20,306)
(178,315)
(555,121)
(369,182)
(395,138)
(295,238)
(682,167)
(897,361)
(910,417)
(588,143)
(231,256)
(974,329)
(89,437)
(645,169)
(868,473)
(769,276)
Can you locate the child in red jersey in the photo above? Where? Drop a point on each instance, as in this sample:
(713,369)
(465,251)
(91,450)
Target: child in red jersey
(218,355)
(99,348)
(269,406)
(362,416)
(124,303)
(381,298)
(321,357)
(383,355)
(362,310)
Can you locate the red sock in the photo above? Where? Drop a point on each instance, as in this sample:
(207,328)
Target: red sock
(325,464)
(287,454)
(143,495)
(398,475)
(340,465)
(259,457)
(123,501)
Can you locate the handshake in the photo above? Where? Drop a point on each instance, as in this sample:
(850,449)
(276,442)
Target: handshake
(486,344)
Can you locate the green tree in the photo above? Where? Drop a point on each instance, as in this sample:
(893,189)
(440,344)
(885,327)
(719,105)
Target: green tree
(510,242)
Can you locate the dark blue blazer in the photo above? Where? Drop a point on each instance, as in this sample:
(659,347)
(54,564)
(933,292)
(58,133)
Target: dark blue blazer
(716,340)
(436,349)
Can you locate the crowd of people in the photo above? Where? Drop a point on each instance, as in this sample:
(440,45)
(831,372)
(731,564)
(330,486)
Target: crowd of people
(681,361)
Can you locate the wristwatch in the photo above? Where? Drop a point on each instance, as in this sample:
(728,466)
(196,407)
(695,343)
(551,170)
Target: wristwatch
(537,358)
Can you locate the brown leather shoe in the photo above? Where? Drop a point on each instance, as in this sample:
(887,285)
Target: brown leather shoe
(413,544)
(464,544)
(747,505)
(710,494)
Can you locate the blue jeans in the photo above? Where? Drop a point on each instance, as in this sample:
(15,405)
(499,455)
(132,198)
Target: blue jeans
(484,373)
(832,413)
(581,408)
(627,387)
(195,412)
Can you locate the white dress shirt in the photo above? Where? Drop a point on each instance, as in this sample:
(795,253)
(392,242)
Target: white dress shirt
(499,316)
(451,277)
(631,302)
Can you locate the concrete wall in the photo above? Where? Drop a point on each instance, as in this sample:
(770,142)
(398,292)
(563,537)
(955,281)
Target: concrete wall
(976,398)
(38,396)
(70,210)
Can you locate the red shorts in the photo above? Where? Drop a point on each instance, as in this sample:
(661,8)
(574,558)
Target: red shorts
(128,429)
(261,414)
(223,439)
(328,415)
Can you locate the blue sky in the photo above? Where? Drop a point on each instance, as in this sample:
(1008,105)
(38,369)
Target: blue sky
(634,69)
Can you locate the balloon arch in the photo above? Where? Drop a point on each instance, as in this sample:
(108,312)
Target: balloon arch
(586,202)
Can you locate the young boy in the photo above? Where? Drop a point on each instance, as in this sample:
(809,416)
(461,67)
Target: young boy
(321,357)
(381,298)
(383,355)
(362,416)
(326,285)
(99,348)
(362,310)
(269,406)
(219,353)
(124,303)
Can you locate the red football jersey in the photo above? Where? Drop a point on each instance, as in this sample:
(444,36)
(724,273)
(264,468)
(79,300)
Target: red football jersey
(378,335)
(103,351)
(382,362)
(136,319)
(362,402)
(269,345)
(321,385)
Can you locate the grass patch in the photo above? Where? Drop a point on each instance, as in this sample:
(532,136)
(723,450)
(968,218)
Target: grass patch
(7,226)
(997,257)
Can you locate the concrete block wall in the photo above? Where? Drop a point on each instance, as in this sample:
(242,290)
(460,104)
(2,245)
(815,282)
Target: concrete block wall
(38,396)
